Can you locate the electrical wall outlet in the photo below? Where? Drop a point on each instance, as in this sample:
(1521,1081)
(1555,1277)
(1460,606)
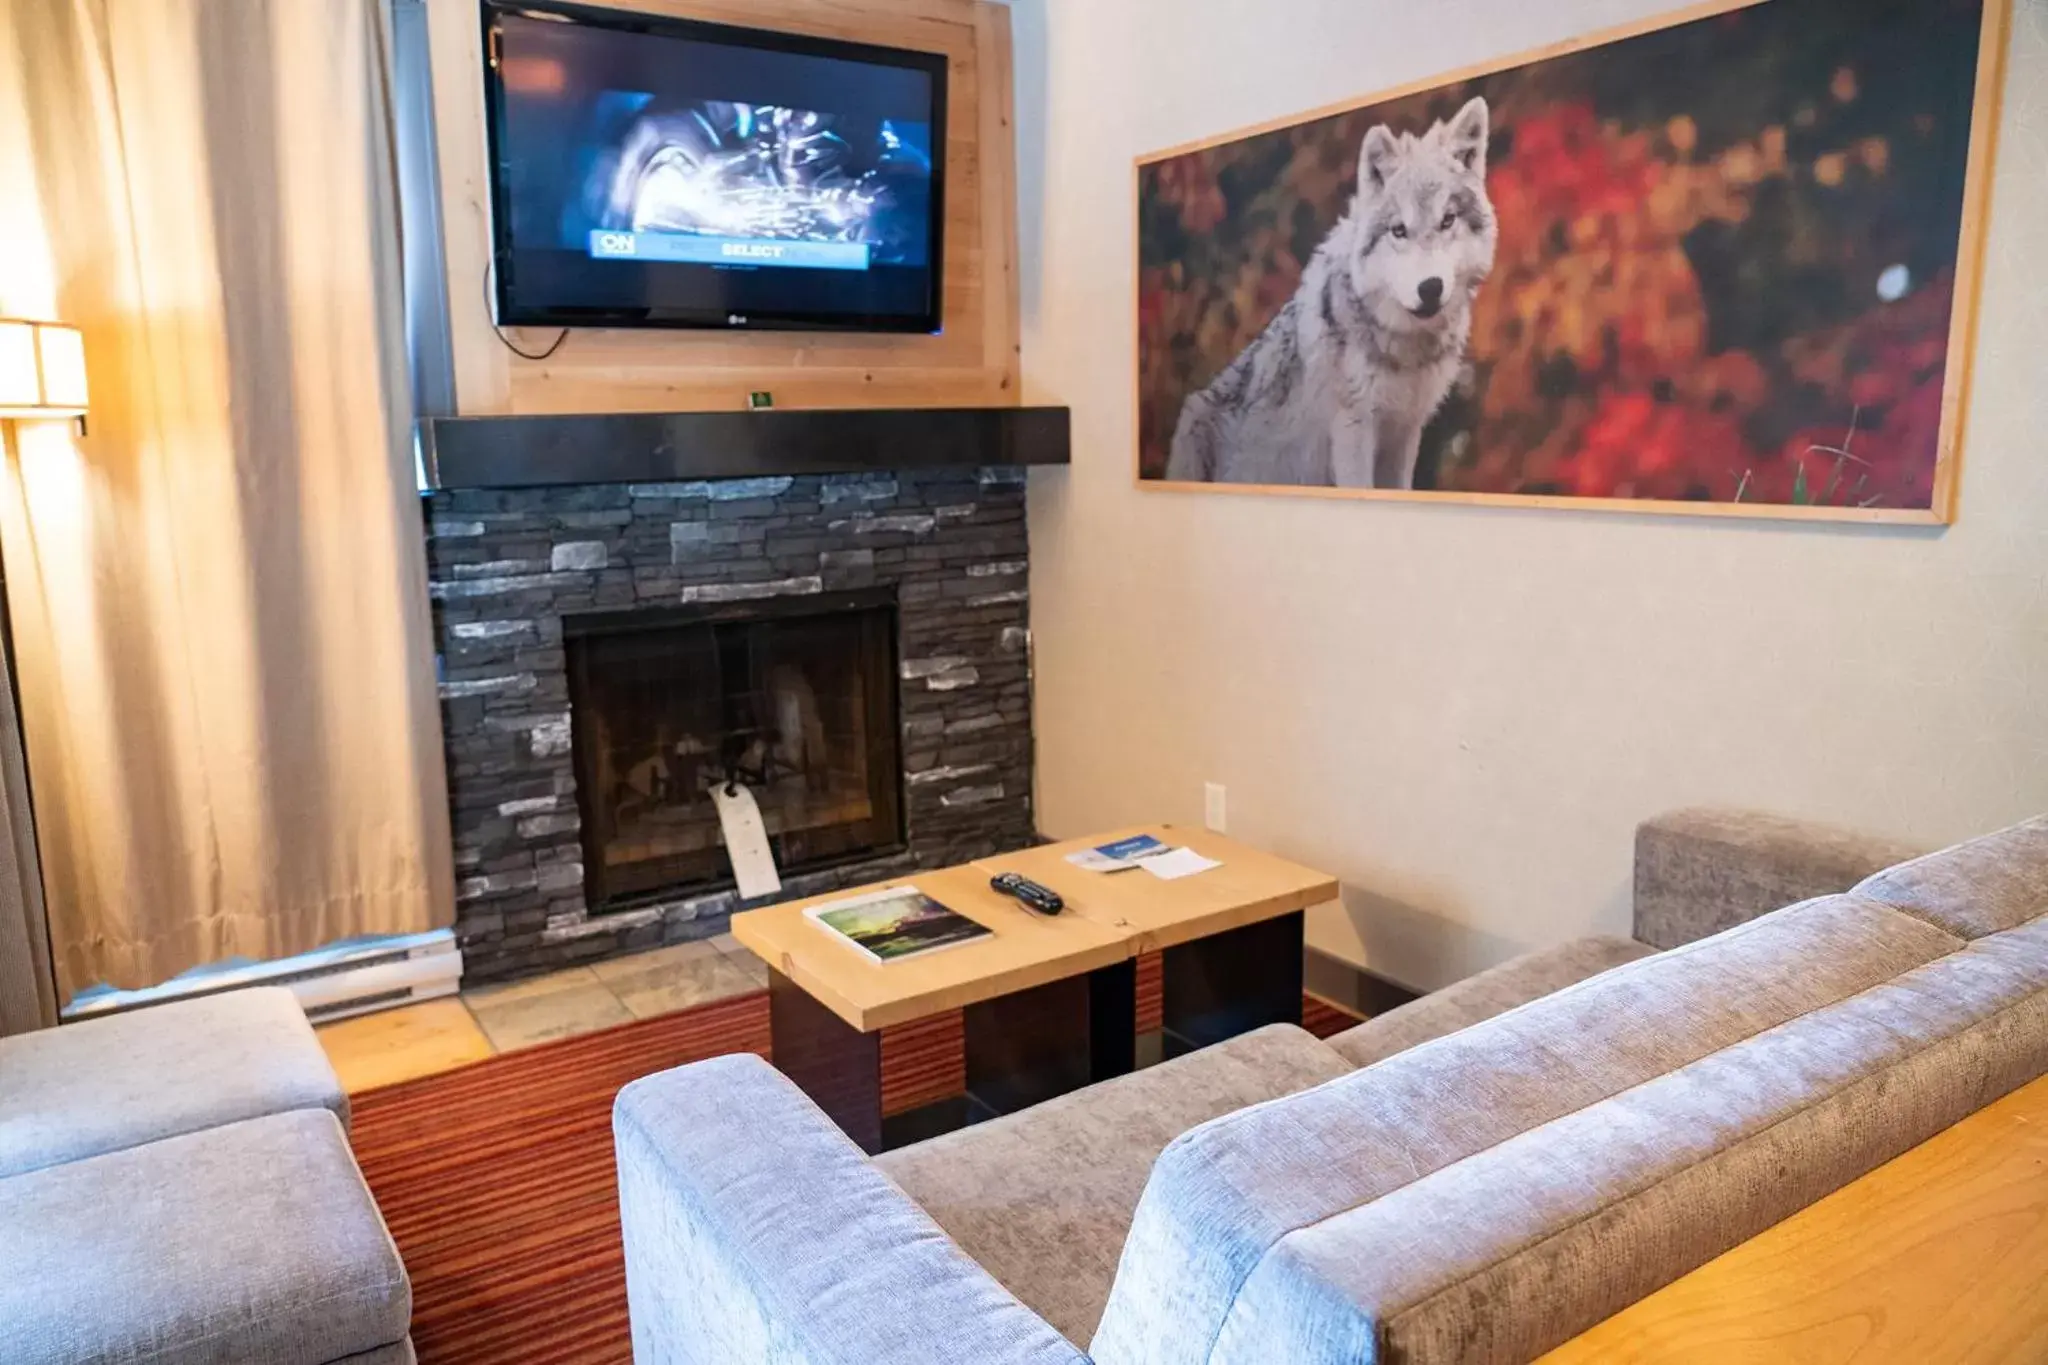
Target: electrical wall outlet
(1213,810)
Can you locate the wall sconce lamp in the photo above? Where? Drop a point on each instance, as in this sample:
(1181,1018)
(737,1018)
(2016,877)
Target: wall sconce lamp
(42,372)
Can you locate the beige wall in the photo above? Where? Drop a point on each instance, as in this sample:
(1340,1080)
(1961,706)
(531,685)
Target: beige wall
(1464,712)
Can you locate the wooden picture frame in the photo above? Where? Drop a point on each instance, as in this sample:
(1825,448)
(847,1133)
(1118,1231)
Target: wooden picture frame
(1438,94)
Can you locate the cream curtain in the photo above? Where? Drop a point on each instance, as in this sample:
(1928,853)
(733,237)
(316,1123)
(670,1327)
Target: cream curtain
(219,598)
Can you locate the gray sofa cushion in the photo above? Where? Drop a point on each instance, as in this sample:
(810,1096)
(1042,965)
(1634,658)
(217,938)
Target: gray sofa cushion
(1698,872)
(1496,1259)
(1477,998)
(1043,1198)
(1222,1196)
(83,1089)
(253,1241)
(1982,887)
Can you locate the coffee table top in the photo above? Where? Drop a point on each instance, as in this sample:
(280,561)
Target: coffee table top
(1026,950)
(1109,917)
(1251,886)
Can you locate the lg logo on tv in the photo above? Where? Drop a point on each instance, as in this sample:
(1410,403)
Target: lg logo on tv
(735,319)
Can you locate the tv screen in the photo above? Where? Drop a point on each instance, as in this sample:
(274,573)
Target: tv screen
(649,172)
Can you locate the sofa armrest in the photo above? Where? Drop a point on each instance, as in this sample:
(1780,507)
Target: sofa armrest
(1701,871)
(757,1232)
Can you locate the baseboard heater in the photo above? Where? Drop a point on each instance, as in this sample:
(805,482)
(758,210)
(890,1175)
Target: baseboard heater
(332,983)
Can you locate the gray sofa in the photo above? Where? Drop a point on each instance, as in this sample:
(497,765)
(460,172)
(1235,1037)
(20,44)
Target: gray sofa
(176,1187)
(1476,1177)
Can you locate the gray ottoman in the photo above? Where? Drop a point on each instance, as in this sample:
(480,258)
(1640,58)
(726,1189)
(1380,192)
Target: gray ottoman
(83,1089)
(256,1241)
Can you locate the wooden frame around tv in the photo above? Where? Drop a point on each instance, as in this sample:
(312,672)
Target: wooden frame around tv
(1993,42)
(972,363)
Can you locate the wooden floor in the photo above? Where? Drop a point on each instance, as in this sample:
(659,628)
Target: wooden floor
(498,1183)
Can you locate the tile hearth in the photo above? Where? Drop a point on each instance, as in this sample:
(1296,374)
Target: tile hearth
(439,1035)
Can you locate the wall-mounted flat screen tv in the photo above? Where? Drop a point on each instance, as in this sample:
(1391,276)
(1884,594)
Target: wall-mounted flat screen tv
(653,172)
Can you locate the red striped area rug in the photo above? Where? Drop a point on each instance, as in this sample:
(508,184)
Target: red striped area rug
(498,1183)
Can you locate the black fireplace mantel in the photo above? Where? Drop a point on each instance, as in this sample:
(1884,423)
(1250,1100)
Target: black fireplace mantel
(530,452)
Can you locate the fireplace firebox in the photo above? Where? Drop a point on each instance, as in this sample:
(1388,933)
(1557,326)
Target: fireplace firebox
(793,697)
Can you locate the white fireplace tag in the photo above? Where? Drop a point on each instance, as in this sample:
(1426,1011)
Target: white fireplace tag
(746,839)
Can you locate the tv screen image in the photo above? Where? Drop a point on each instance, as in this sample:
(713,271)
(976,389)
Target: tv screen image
(719,182)
(663,173)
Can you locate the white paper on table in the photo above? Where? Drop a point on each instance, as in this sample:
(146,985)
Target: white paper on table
(1181,862)
(746,840)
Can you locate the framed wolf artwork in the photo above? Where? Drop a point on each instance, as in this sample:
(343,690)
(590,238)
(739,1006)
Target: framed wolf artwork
(1722,262)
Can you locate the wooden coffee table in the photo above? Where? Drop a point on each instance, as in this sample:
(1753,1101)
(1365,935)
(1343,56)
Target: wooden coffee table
(1048,1004)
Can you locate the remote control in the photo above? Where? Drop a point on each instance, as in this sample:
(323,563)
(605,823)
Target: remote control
(1029,893)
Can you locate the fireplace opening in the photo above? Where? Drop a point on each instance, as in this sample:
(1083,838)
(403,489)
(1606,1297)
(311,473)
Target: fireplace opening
(793,697)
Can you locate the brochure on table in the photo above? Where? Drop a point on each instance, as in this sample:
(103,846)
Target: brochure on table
(1161,859)
(895,923)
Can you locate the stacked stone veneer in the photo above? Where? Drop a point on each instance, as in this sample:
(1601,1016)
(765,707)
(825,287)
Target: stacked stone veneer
(506,565)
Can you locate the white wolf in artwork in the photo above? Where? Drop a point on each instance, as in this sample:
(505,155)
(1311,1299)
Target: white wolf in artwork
(1339,386)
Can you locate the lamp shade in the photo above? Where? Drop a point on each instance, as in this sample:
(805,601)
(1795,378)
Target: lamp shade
(42,370)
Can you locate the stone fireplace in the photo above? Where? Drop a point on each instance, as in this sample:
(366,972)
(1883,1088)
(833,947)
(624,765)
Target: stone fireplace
(855,648)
